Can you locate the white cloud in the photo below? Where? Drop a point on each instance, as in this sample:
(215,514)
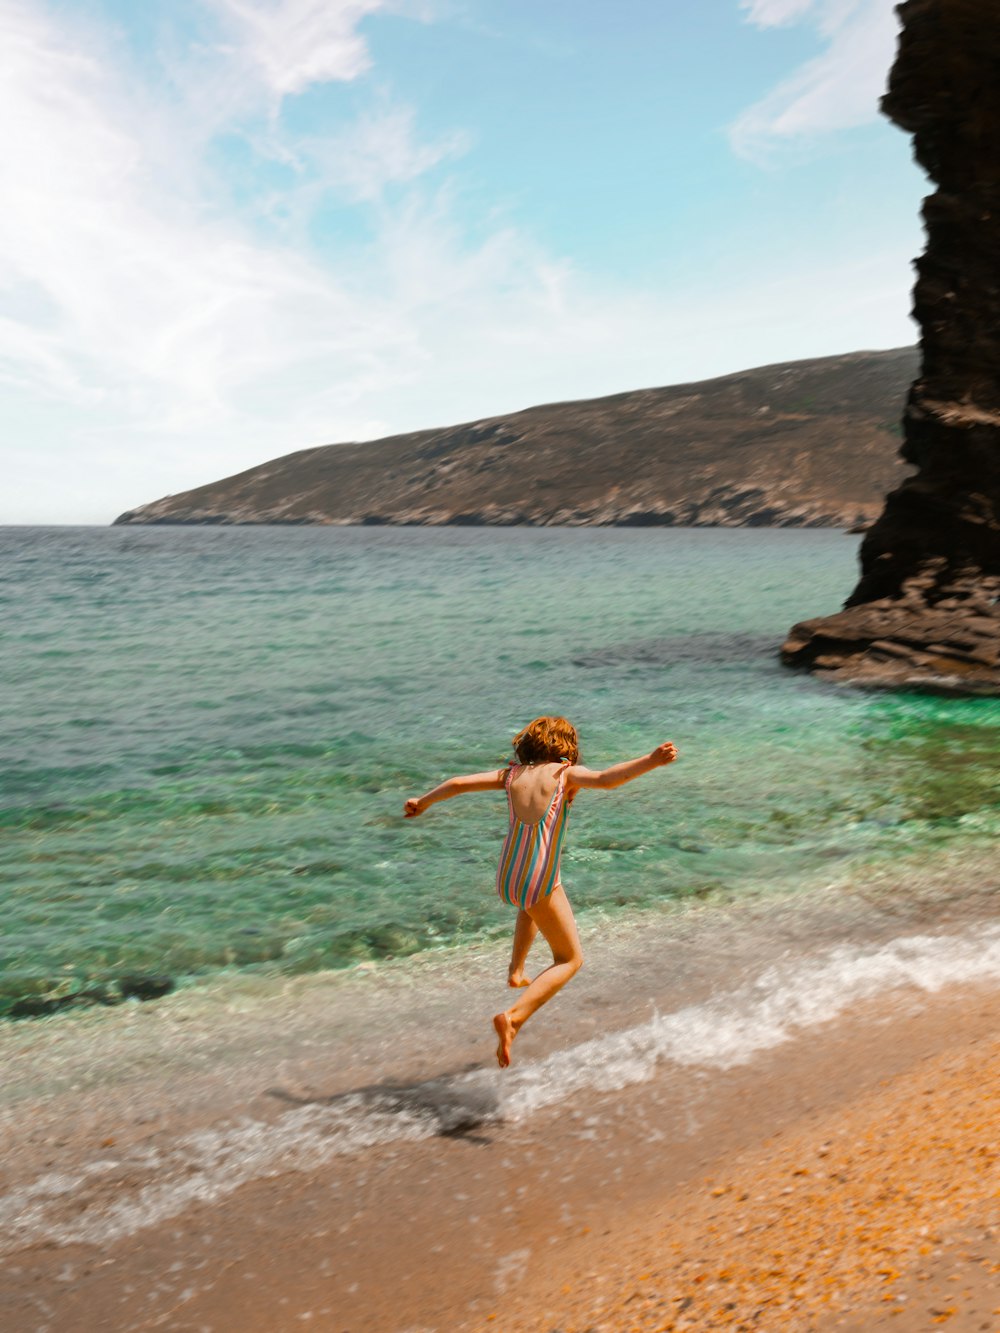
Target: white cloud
(775,13)
(291,44)
(837,90)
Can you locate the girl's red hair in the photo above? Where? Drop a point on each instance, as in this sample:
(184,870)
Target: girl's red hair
(547,740)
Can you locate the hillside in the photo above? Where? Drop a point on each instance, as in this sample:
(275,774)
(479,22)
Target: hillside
(808,443)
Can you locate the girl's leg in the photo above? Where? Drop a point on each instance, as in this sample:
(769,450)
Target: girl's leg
(525,931)
(554,917)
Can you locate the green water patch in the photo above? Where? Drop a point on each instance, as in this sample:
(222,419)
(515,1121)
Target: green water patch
(932,762)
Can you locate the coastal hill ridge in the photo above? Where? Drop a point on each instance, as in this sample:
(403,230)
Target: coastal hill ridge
(801,444)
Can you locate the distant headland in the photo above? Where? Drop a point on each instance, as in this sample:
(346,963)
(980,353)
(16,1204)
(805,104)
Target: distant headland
(803,444)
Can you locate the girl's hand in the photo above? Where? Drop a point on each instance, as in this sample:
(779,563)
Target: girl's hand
(665,753)
(413,807)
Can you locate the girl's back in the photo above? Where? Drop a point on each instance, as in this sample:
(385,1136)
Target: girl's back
(532,788)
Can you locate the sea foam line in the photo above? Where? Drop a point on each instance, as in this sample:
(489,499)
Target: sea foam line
(116,1197)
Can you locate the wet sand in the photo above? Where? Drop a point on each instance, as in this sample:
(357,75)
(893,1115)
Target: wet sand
(841,1177)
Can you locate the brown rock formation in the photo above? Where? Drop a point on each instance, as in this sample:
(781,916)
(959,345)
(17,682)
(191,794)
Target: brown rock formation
(806,444)
(925,612)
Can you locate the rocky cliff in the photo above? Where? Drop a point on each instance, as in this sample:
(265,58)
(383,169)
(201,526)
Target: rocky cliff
(811,443)
(925,612)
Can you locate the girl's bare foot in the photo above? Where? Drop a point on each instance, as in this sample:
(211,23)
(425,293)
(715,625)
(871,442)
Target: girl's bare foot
(517,979)
(506,1031)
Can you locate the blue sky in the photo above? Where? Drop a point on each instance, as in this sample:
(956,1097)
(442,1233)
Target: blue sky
(235,228)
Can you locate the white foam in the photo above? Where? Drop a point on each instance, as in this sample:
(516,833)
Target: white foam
(112,1198)
(730,1029)
(197,1168)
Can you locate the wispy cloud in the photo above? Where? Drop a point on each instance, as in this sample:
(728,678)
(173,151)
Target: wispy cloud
(126,279)
(829,15)
(133,289)
(290,44)
(382,148)
(775,13)
(837,90)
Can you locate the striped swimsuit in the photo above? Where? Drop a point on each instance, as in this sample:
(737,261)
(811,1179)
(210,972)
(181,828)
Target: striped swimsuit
(529,862)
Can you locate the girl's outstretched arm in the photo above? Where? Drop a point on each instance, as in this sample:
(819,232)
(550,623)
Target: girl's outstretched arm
(492,781)
(618,774)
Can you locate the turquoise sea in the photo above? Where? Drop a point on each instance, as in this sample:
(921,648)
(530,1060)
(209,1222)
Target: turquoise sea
(208,734)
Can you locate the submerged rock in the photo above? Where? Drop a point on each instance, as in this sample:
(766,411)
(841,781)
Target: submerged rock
(39,1006)
(145,987)
(925,612)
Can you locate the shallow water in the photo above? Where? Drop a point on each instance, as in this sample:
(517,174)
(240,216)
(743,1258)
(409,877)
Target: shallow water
(209,734)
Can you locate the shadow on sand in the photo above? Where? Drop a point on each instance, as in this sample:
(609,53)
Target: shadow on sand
(456,1103)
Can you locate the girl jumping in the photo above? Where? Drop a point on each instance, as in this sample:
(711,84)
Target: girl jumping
(541,785)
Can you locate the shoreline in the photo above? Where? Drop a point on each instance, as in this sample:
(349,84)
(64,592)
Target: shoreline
(211,1163)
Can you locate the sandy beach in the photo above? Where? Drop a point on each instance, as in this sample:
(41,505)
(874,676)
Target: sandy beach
(881,1212)
(787,1142)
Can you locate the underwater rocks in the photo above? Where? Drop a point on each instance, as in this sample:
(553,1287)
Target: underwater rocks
(925,612)
(137,987)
